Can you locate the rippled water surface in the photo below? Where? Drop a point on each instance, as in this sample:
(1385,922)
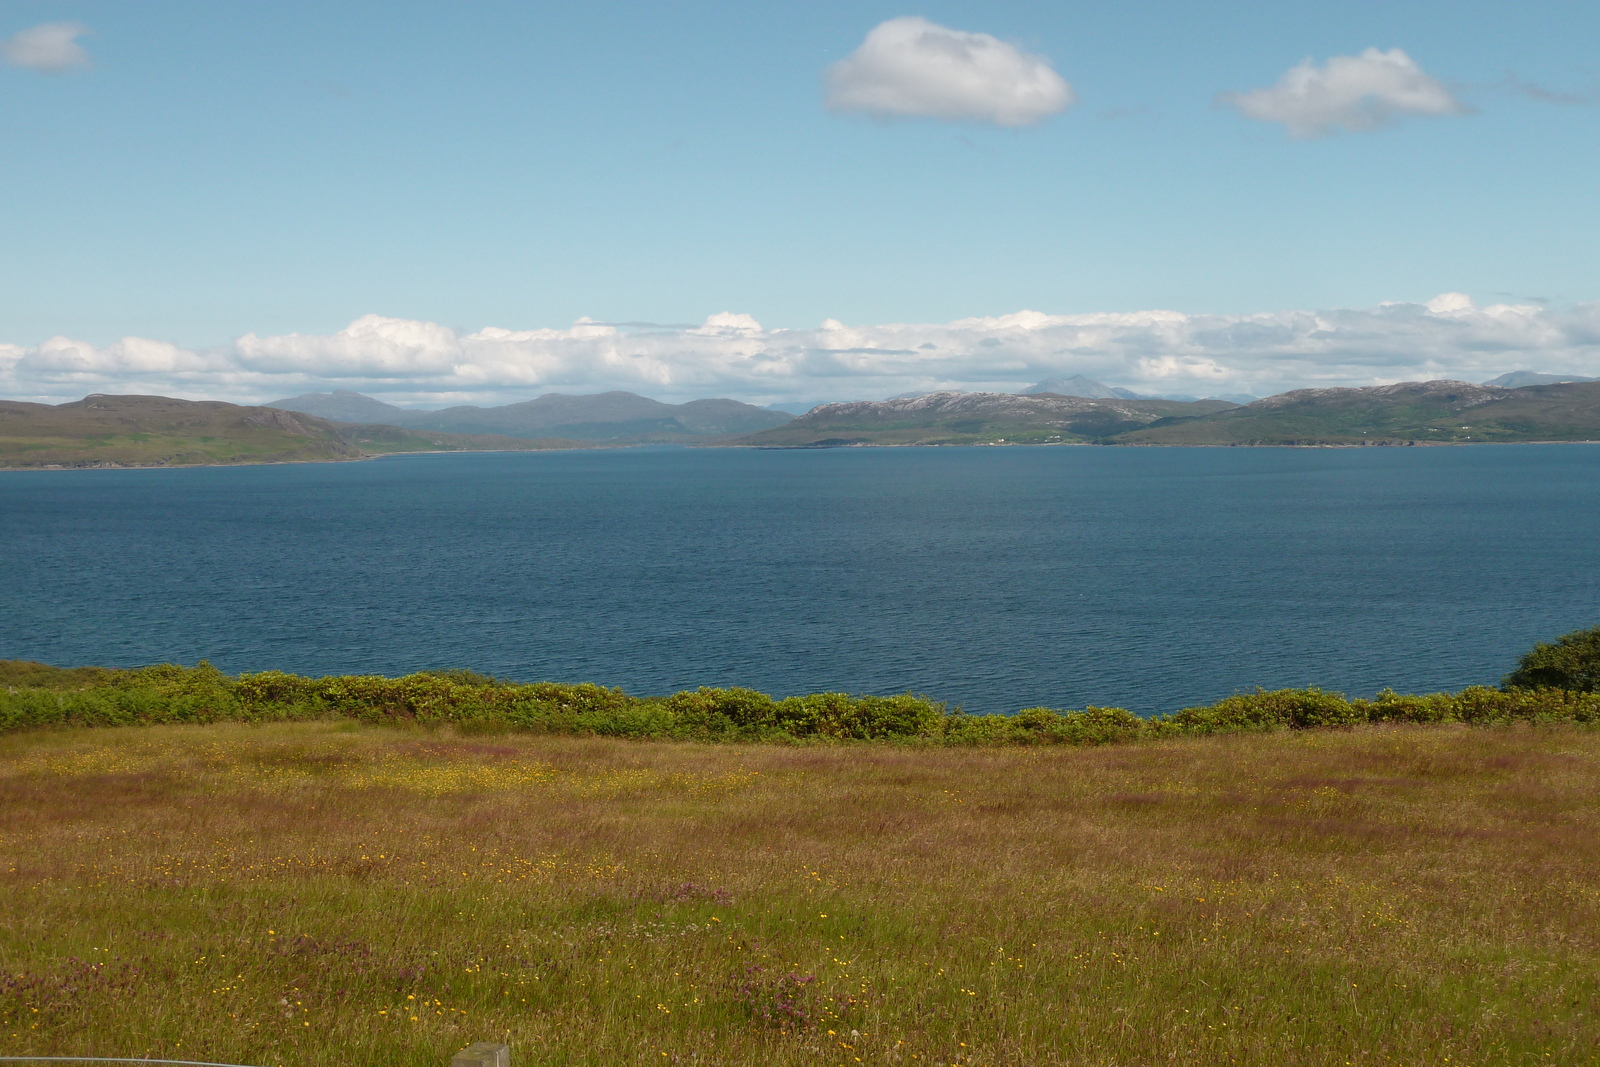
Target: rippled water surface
(996,578)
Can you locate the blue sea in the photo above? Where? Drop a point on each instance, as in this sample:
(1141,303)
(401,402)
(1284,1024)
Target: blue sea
(992,578)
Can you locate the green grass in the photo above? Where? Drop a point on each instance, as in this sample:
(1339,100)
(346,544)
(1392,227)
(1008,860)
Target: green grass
(334,893)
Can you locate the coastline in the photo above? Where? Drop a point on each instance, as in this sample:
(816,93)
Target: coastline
(57,468)
(287,462)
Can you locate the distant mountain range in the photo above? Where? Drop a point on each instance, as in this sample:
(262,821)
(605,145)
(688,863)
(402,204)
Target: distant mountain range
(976,418)
(1078,385)
(611,418)
(158,431)
(119,431)
(795,407)
(341,405)
(1408,413)
(1517,379)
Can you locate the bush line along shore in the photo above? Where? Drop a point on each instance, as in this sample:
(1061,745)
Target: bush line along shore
(34,695)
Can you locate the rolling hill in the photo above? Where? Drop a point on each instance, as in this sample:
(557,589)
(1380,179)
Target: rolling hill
(158,431)
(342,405)
(613,418)
(1406,413)
(975,418)
(1518,378)
(155,431)
(1442,412)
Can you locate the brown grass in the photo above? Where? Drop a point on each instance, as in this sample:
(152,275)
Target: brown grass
(336,894)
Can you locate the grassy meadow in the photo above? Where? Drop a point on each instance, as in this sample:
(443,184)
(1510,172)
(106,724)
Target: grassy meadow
(340,893)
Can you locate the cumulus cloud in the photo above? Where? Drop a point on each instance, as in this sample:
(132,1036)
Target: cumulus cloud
(408,361)
(52,47)
(1348,92)
(912,68)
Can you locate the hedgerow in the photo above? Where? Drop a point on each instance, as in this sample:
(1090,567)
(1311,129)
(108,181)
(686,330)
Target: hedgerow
(33,695)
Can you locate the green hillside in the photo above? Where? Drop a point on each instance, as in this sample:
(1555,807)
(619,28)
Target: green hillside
(1407,413)
(388,440)
(154,431)
(611,418)
(1439,412)
(158,431)
(975,418)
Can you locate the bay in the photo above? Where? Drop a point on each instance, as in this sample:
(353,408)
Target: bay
(993,578)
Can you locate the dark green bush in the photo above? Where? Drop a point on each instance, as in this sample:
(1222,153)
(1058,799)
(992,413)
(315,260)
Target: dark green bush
(898,716)
(641,720)
(721,712)
(819,714)
(1571,661)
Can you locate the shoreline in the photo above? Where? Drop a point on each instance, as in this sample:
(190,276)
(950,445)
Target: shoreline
(58,468)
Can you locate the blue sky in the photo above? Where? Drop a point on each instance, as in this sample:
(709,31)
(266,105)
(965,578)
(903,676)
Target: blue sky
(223,170)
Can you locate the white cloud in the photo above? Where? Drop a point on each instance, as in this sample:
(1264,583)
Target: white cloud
(1349,92)
(52,47)
(913,68)
(407,361)
(729,322)
(1448,303)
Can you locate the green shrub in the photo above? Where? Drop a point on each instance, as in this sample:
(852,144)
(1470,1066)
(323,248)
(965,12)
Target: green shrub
(1278,709)
(22,709)
(1091,726)
(26,674)
(33,695)
(585,698)
(641,720)
(1101,726)
(1481,704)
(820,714)
(898,717)
(1389,706)
(273,687)
(721,712)
(963,729)
(1571,662)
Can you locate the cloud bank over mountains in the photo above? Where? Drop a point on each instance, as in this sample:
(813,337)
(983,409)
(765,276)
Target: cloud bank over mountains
(408,361)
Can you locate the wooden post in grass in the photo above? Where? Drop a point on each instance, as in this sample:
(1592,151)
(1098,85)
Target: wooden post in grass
(482,1054)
